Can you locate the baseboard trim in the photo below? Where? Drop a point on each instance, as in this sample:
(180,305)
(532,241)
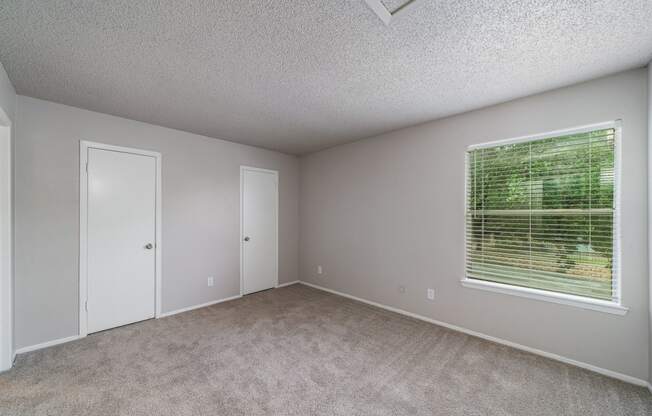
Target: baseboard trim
(203,305)
(76,337)
(288,284)
(47,344)
(609,373)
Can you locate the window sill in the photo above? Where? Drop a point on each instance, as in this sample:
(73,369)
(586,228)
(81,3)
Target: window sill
(546,296)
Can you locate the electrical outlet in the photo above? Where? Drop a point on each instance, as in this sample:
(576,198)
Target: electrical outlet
(431,294)
(211,281)
(401,289)
(320,270)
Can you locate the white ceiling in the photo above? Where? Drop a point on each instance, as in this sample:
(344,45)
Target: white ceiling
(302,75)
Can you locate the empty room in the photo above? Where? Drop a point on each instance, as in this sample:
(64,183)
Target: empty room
(346,207)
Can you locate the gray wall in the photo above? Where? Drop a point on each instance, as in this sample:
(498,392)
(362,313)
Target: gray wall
(389,211)
(200,212)
(7,94)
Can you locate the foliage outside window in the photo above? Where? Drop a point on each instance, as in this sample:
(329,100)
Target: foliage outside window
(541,214)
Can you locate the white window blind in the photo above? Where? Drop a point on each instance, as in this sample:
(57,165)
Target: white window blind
(541,214)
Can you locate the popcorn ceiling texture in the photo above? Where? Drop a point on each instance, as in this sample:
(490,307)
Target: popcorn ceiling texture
(298,76)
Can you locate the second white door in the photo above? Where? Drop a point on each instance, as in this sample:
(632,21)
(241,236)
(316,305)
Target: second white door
(121,237)
(259,236)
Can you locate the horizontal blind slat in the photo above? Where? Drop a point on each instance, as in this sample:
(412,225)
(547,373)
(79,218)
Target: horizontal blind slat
(541,214)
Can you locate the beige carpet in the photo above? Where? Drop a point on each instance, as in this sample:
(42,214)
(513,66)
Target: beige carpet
(299,351)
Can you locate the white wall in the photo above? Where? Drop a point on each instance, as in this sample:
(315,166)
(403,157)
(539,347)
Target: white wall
(200,212)
(7,112)
(389,211)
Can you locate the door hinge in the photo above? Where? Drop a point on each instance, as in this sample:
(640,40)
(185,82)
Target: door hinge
(86,167)
(86,305)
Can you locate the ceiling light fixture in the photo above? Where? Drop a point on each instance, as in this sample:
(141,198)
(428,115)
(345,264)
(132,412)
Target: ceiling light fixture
(383,12)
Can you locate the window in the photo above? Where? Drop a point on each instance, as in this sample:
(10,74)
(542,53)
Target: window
(541,214)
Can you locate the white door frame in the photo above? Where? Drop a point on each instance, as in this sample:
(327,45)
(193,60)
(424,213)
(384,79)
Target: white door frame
(242,236)
(7,353)
(83,225)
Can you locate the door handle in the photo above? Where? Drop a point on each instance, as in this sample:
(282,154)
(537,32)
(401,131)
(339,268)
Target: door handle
(247,239)
(149,246)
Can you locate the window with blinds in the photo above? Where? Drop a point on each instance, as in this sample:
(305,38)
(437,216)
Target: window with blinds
(541,214)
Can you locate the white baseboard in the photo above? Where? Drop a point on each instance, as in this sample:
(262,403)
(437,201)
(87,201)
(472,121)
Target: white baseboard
(47,344)
(203,305)
(11,364)
(609,373)
(75,337)
(288,284)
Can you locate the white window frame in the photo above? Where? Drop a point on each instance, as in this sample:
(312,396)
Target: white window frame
(613,307)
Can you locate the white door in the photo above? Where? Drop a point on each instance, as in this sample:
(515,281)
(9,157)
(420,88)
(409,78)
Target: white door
(121,229)
(259,237)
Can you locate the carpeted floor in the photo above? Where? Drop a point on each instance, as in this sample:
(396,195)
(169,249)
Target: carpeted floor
(300,351)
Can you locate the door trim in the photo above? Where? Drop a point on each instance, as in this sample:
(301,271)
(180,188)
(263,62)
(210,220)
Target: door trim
(244,168)
(83,226)
(7,352)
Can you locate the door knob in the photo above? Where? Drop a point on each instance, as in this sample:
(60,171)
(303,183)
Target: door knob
(149,246)
(247,239)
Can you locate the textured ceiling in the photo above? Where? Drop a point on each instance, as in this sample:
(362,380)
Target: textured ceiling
(302,75)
